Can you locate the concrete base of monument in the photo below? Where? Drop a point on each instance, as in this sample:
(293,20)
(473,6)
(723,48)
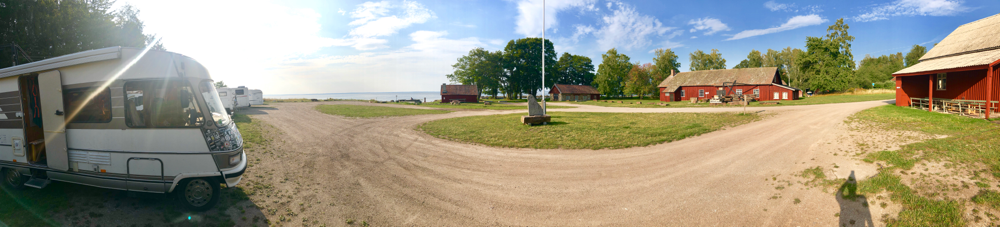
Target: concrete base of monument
(536,119)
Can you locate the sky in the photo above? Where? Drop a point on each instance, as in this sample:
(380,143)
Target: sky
(320,46)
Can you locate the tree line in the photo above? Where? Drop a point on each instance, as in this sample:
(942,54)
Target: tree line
(39,29)
(826,65)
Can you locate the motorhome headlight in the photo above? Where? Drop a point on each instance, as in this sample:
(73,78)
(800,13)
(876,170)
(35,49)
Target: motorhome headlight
(235,158)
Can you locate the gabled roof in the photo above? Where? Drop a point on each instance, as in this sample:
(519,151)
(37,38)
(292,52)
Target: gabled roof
(972,44)
(459,90)
(764,75)
(575,89)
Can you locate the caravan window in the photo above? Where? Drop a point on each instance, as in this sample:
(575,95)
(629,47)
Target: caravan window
(239,91)
(81,110)
(161,104)
(214,103)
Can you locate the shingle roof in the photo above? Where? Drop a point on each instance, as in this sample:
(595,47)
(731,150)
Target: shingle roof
(972,44)
(575,89)
(459,90)
(763,75)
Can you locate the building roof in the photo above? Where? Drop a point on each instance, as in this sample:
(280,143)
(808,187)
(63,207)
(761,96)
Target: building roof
(972,44)
(575,89)
(764,75)
(459,90)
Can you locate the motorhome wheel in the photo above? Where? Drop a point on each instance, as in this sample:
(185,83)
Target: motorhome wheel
(13,179)
(199,194)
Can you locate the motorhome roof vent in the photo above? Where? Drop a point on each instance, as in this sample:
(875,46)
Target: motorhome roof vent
(242,87)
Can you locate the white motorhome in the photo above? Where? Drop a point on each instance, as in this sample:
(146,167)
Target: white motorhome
(256,97)
(242,97)
(228,97)
(118,118)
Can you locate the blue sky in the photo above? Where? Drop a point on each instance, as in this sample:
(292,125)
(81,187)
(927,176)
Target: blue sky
(315,46)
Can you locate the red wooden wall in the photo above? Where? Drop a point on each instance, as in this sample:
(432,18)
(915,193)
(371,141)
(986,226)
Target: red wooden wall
(968,85)
(464,98)
(766,92)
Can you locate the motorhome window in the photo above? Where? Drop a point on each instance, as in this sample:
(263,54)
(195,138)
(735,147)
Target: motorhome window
(219,115)
(82,110)
(239,92)
(161,104)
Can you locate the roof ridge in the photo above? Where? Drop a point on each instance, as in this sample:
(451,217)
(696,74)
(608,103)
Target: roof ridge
(980,19)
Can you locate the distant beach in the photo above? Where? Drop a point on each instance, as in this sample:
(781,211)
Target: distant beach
(381,96)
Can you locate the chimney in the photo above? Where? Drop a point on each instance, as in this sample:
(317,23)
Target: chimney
(672,72)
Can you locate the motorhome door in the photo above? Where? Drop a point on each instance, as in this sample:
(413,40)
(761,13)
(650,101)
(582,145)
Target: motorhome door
(53,119)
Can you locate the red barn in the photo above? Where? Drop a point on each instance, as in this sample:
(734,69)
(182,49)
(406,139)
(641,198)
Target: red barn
(566,92)
(463,93)
(763,82)
(959,74)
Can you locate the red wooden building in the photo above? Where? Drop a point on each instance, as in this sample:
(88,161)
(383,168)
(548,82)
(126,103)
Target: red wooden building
(959,73)
(763,82)
(567,92)
(463,93)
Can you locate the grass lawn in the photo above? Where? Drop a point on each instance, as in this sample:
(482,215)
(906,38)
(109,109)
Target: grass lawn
(481,106)
(373,111)
(583,130)
(819,99)
(970,143)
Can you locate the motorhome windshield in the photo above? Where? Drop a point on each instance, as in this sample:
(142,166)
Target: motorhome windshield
(161,104)
(211,96)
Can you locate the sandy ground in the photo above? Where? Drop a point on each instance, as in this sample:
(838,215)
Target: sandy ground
(331,169)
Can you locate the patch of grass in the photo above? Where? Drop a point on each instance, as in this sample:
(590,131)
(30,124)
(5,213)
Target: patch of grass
(969,141)
(583,130)
(481,106)
(988,197)
(819,99)
(373,111)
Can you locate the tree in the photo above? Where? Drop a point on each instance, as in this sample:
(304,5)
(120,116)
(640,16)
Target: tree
(702,61)
(573,69)
(828,61)
(754,60)
(220,84)
(878,70)
(665,61)
(913,57)
(611,73)
(640,80)
(523,63)
(49,28)
(481,68)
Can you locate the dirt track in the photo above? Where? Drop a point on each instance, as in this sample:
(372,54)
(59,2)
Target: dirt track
(385,173)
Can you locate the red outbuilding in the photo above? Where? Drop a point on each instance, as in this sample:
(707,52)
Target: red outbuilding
(762,82)
(462,93)
(567,92)
(958,75)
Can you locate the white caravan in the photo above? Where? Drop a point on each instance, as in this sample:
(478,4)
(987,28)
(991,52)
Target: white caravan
(228,97)
(256,97)
(118,118)
(242,97)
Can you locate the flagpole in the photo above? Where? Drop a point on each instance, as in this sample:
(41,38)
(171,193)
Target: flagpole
(544,107)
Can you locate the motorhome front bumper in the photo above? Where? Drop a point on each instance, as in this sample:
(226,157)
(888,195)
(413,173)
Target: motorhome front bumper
(234,175)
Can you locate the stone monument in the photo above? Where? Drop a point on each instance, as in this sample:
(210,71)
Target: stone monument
(535,113)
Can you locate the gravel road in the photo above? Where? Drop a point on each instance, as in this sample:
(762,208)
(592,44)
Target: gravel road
(384,172)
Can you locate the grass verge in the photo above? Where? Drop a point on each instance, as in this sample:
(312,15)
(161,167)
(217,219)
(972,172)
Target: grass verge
(583,130)
(819,99)
(373,111)
(969,142)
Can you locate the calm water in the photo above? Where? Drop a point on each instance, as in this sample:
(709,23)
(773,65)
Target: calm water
(381,96)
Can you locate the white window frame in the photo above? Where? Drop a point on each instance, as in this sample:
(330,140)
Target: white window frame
(739,92)
(784,95)
(776,95)
(682,92)
(756,92)
(701,93)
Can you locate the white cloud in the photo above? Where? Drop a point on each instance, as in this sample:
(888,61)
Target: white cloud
(529,18)
(694,37)
(342,12)
(668,45)
(627,29)
(423,65)
(913,8)
(774,6)
(372,19)
(712,25)
(795,22)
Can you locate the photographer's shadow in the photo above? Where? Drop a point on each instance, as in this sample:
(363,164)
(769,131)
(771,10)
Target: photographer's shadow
(853,207)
